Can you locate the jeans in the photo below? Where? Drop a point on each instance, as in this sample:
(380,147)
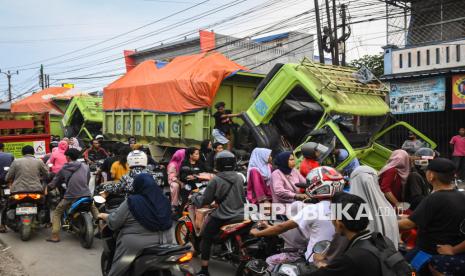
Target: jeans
(64,205)
(459,162)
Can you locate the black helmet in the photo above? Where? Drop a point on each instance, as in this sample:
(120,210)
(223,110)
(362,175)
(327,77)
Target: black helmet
(308,149)
(423,156)
(225,161)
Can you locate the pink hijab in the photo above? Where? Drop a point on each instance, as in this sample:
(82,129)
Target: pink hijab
(177,159)
(401,162)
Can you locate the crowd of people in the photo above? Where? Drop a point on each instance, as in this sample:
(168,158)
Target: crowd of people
(415,192)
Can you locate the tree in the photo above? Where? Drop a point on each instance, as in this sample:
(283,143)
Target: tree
(373,62)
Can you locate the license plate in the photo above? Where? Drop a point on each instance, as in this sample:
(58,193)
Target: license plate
(26,210)
(6,191)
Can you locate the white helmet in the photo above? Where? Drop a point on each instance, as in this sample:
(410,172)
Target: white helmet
(137,158)
(323,182)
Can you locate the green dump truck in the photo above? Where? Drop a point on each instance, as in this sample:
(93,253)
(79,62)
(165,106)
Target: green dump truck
(161,130)
(83,117)
(329,105)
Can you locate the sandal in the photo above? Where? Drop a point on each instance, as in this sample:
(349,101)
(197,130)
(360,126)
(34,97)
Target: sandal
(51,240)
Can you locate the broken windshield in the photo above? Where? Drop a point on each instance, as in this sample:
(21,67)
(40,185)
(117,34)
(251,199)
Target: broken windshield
(358,130)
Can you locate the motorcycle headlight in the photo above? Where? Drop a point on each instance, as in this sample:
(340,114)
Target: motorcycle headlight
(289,269)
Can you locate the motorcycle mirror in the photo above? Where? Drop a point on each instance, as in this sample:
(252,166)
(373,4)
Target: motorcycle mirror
(6,168)
(321,247)
(99,199)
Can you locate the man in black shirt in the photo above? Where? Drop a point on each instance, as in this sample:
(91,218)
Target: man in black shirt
(223,124)
(417,188)
(210,163)
(438,217)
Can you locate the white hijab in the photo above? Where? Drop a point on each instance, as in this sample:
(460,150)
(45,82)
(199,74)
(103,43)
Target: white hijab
(364,183)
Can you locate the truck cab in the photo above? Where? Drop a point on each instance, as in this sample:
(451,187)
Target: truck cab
(83,118)
(338,107)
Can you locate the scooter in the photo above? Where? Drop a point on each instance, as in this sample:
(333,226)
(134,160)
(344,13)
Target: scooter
(78,220)
(166,259)
(300,267)
(227,245)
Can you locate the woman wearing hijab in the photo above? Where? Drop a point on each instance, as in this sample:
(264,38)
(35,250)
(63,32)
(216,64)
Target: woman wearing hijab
(74,144)
(259,176)
(205,150)
(393,176)
(364,183)
(283,180)
(174,169)
(142,220)
(58,158)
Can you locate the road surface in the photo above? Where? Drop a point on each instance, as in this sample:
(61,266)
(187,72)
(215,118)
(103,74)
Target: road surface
(41,258)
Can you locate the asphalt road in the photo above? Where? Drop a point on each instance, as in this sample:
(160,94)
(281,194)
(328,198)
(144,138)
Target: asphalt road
(41,258)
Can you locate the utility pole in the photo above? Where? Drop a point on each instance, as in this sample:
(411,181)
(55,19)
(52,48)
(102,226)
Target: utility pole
(42,77)
(321,53)
(330,32)
(8,75)
(336,42)
(343,17)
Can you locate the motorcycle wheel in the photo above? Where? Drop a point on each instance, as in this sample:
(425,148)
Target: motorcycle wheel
(105,264)
(183,235)
(25,232)
(242,270)
(86,230)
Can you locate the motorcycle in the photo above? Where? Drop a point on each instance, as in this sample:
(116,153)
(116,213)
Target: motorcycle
(25,211)
(300,267)
(166,259)
(78,220)
(227,245)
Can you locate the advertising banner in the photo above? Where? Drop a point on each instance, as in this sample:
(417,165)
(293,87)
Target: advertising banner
(426,95)
(458,92)
(16,147)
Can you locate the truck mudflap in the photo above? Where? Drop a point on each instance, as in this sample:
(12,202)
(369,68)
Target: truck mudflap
(266,136)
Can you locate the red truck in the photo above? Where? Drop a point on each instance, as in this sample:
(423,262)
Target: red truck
(20,129)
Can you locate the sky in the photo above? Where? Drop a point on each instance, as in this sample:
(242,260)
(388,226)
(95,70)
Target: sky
(71,38)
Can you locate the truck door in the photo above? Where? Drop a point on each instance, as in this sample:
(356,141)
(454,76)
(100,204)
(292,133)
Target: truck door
(390,139)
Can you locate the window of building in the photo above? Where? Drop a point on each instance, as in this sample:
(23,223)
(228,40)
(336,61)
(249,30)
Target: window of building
(457,52)
(447,54)
(418,58)
(409,59)
(400,61)
(428,62)
(438,58)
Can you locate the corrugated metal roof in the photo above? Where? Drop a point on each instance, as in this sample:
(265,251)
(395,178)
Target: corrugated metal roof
(271,37)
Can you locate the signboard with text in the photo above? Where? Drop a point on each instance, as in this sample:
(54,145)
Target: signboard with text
(425,95)
(15,148)
(458,92)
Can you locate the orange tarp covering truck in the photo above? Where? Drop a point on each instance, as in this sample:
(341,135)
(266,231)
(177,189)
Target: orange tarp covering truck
(187,83)
(21,129)
(172,106)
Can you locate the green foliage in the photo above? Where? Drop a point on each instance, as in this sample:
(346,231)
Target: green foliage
(373,62)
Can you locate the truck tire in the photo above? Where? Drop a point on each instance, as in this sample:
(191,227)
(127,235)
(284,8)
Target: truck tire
(86,230)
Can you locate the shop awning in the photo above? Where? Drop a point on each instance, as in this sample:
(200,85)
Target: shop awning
(185,84)
(42,101)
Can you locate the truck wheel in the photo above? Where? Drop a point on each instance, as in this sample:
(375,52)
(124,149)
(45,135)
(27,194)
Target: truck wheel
(25,232)
(86,230)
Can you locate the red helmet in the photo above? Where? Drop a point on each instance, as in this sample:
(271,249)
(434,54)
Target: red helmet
(324,182)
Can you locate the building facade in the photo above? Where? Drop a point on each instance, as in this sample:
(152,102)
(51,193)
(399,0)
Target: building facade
(426,72)
(259,55)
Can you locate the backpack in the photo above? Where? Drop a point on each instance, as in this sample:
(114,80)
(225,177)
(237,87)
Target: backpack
(392,261)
